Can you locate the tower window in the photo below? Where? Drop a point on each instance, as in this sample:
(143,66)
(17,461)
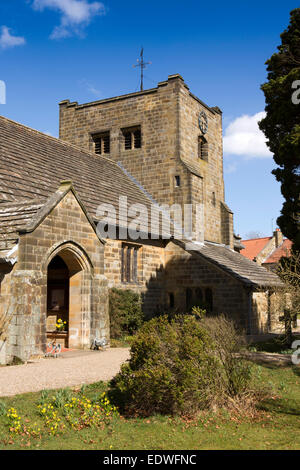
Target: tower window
(202,148)
(213,199)
(132,138)
(129,263)
(177,181)
(101,143)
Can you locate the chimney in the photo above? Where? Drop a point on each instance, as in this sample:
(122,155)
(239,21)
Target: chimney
(278,237)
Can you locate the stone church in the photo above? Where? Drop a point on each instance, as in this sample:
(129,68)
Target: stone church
(161,146)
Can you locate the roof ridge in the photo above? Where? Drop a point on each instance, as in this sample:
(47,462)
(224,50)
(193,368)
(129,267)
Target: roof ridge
(258,238)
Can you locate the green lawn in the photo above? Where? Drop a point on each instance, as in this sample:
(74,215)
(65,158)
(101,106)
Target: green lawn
(277,425)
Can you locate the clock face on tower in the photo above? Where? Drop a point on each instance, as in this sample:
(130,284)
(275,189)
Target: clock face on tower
(203,122)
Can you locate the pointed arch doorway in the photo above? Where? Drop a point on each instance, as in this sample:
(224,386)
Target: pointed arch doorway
(68,298)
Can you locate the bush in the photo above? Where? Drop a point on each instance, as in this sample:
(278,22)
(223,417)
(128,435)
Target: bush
(125,311)
(179,366)
(171,370)
(228,342)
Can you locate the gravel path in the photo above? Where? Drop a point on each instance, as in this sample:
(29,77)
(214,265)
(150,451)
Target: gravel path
(71,369)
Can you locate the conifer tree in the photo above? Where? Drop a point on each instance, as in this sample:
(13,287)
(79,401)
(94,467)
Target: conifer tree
(281,125)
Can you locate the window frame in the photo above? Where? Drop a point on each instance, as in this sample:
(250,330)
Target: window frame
(202,148)
(177,181)
(101,136)
(130,263)
(131,131)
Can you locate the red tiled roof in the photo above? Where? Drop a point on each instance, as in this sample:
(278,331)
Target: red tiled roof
(254,246)
(283,250)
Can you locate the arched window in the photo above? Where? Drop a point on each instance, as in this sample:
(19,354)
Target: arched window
(202,148)
(209,299)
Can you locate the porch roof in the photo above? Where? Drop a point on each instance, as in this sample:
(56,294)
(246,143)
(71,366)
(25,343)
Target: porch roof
(13,217)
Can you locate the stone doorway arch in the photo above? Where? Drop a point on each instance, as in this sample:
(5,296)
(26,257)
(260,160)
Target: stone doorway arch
(69,289)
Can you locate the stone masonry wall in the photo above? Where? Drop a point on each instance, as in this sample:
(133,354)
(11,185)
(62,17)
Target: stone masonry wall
(172,271)
(150,272)
(212,169)
(185,270)
(153,110)
(65,230)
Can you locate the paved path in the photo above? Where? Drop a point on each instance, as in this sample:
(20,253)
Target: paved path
(71,369)
(282,360)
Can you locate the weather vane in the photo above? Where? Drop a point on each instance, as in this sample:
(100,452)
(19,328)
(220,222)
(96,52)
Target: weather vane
(142,64)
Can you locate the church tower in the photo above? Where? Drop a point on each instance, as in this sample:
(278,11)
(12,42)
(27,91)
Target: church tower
(169,141)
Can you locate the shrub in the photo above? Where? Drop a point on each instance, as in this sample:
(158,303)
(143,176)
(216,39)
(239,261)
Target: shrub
(171,370)
(228,342)
(182,365)
(125,310)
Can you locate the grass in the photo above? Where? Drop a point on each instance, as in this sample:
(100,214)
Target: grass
(275,426)
(124,342)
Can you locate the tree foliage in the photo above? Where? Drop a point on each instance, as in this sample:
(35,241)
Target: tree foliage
(282,125)
(181,365)
(125,312)
(289,272)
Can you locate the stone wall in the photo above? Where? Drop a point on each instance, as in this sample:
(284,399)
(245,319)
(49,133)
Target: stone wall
(210,170)
(65,232)
(267,309)
(171,271)
(153,110)
(185,270)
(150,283)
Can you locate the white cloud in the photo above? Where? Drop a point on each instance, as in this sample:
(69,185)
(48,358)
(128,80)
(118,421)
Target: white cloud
(90,87)
(8,40)
(243,137)
(75,15)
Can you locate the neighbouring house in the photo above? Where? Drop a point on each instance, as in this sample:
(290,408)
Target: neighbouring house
(68,207)
(267,251)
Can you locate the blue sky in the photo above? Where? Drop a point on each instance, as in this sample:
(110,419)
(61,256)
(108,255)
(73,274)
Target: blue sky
(84,50)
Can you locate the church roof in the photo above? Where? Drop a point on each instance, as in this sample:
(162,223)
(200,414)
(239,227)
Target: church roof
(33,164)
(13,217)
(237,265)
